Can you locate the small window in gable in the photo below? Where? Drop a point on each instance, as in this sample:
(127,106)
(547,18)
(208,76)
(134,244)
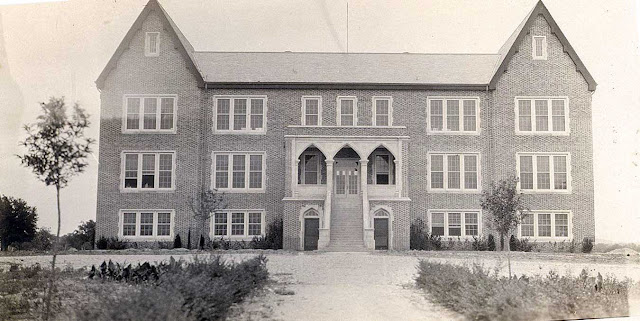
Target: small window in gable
(152,44)
(539,48)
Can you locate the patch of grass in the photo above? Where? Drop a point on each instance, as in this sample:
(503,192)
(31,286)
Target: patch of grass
(480,294)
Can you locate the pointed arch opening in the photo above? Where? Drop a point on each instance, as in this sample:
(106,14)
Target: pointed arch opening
(382,167)
(312,168)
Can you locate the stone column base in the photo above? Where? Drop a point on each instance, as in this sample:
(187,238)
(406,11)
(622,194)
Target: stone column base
(369,241)
(323,239)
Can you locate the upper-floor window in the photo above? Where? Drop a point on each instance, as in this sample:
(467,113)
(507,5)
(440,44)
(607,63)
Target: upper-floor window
(545,225)
(381,169)
(452,115)
(152,44)
(311,111)
(454,172)
(312,169)
(150,113)
(238,172)
(544,172)
(347,111)
(146,224)
(148,171)
(455,223)
(382,111)
(542,115)
(238,224)
(539,49)
(240,114)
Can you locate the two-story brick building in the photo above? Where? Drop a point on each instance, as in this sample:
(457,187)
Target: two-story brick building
(346,148)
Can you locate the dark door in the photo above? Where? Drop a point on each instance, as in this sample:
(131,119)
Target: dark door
(381,233)
(311,233)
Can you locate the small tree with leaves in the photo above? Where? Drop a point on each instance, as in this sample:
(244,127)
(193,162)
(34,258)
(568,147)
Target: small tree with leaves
(506,207)
(57,149)
(17,221)
(203,206)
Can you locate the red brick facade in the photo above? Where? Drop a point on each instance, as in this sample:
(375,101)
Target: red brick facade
(194,140)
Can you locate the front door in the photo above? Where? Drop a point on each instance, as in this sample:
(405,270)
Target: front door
(381,233)
(311,233)
(346,182)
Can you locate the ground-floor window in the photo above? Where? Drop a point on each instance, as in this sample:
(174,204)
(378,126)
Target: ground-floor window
(238,223)
(146,223)
(453,223)
(546,224)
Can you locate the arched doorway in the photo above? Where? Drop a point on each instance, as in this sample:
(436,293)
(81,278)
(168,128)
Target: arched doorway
(381,229)
(346,179)
(311,229)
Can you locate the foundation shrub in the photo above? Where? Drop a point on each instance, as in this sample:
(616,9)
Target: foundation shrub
(272,239)
(480,244)
(480,294)
(491,243)
(420,239)
(587,245)
(111,243)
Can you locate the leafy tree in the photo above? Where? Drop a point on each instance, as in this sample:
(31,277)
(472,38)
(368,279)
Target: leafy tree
(57,149)
(506,207)
(207,203)
(17,221)
(43,240)
(84,235)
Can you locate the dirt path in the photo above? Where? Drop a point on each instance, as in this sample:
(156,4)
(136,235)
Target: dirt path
(360,286)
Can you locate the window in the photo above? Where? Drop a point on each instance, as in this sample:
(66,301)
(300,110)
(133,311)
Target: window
(347,111)
(454,172)
(152,44)
(450,115)
(546,225)
(542,115)
(312,168)
(381,169)
(150,114)
(238,224)
(455,223)
(146,224)
(382,111)
(544,172)
(240,114)
(238,172)
(539,48)
(148,171)
(312,111)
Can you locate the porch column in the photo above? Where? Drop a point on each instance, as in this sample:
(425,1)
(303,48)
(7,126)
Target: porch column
(366,222)
(398,165)
(325,228)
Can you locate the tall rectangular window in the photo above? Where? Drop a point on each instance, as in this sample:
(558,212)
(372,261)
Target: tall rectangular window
(454,223)
(240,114)
(148,113)
(311,169)
(152,44)
(527,225)
(382,168)
(544,172)
(437,224)
(347,111)
(471,223)
(539,47)
(238,172)
(148,170)
(146,224)
(546,225)
(312,111)
(542,115)
(382,111)
(451,115)
(238,224)
(454,172)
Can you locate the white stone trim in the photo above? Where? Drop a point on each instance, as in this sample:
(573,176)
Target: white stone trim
(391,218)
(301,219)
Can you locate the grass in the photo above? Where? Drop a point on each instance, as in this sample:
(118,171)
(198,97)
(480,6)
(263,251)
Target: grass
(480,294)
(203,289)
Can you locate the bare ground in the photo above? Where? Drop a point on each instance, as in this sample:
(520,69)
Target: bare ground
(363,286)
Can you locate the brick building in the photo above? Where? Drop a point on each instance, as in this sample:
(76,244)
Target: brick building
(346,148)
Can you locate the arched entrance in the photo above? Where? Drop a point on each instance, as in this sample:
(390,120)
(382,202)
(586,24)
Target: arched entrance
(311,229)
(346,179)
(381,229)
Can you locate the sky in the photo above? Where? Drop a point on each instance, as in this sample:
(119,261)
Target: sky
(59,49)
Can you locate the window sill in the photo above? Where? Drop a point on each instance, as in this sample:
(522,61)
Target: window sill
(452,133)
(146,132)
(239,132)
(546,238)
(453,191)
(146,190)
(521,133)
(147,238)
(340,126)
(533,192)
(240,191)
(235,238)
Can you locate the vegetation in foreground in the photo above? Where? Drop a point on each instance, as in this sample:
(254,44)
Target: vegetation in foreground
(480,294)
(204,289)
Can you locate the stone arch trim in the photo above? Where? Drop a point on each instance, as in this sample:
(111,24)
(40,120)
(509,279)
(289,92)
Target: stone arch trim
(303,210)
(299,151)
(389,211)
(392,150)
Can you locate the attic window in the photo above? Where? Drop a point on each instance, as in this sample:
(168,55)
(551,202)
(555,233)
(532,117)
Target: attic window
(152,44)
(539,48)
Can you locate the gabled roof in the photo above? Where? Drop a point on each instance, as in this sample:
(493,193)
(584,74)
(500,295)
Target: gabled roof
(186,48)
(354,70)
(510,46)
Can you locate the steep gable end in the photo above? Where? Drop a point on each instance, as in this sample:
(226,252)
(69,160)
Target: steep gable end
(511,46)
(185,48)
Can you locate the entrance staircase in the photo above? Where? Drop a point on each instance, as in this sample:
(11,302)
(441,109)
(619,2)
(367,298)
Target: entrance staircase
(346,226)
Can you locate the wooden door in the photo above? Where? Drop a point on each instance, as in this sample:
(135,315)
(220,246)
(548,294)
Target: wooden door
(311,233)
(381,233)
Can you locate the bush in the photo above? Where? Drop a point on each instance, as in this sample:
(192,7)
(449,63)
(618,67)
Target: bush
(111,243)
(420,239)
(200,290)
(514,245)
(189,240)
(587,245)
(491,243)
(272,240)
(479,294)
(479,244)
(177,242)
(201,242)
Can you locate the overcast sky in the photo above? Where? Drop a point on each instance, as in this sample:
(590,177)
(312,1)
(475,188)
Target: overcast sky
(59,48)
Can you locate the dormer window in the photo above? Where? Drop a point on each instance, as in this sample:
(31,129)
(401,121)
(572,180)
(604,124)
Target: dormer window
(539,48)
(152,44)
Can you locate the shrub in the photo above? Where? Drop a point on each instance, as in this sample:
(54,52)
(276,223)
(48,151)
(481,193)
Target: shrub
(177,242)
(587,245)
(491,243)
(101,243)
(420,239)
(479,244)
(111,243)
(189,240)
(514,245)
(201,242)
(479,294)
(272,240)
